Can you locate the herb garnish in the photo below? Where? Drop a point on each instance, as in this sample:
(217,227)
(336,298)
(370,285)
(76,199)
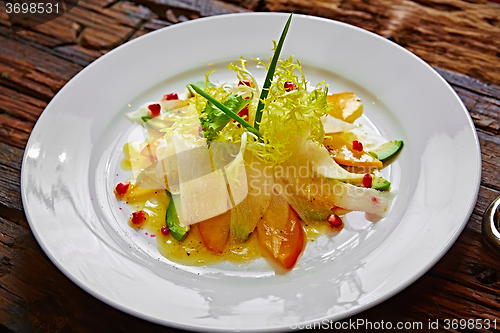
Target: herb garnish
(270,74)
(216,120)
(218,115)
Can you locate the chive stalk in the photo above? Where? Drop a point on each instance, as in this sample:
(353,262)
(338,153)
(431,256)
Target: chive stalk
(270,74)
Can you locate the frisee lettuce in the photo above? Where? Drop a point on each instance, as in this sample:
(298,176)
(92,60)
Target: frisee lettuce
(284,113)
(288,113)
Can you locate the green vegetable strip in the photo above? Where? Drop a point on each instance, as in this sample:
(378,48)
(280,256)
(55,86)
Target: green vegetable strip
(227,111)
(270,74)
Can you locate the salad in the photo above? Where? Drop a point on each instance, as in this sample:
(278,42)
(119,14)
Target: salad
(238,171)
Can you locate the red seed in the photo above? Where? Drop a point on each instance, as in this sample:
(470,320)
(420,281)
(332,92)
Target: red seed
(334,221)
(357,146)
(244,111)
(138,217)
(289,86)
(122,188)
(164,230)
(245,83)
(171,96)
(155,109)
(367,180)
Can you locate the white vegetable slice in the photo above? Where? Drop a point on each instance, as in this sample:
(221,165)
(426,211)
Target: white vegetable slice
(143,110)
(203,193)
(318,160)
(236,173)
(173,104)
(361,199)
(334,125)
(370,139)
(312,197)
(136,116)
(166,168)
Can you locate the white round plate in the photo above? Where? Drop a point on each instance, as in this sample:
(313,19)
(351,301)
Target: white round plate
(71,165)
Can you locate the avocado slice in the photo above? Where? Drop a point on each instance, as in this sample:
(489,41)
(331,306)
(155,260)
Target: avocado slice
(317,214)
(240,233)
(381,184)
(177,230)
(246,215)
(153,123)
(387,150)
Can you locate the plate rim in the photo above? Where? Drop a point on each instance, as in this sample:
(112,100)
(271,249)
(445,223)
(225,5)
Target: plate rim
(450,242)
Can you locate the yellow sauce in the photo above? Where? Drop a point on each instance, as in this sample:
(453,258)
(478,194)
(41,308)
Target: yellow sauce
(191,251)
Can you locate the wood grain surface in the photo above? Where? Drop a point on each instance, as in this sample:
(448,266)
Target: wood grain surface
(461,39)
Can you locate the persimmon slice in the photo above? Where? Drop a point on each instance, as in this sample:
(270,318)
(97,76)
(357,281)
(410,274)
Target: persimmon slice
(340,147)
(280,232)
(215,232)
(345,106)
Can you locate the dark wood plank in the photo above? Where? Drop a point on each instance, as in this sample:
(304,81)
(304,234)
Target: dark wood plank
(181,10)
(483,110)
(31,71)
(10,186)
(253,5)
(27,35)
(85,32)
(469,83)
(491,159)
(150,26)
(20,105)
(124,12)
(10,194)
(11,156)
(13,131)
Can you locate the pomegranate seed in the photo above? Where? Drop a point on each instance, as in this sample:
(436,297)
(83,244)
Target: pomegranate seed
(334,220)
(289,86)
(367,180)
(171,96)
(122,188)
(357,146)
(164,230)
(243,112)
(138,217)
(155,109)
(200,132)
(245,83)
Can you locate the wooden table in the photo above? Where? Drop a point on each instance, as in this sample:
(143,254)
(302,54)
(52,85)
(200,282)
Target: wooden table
(461,39)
